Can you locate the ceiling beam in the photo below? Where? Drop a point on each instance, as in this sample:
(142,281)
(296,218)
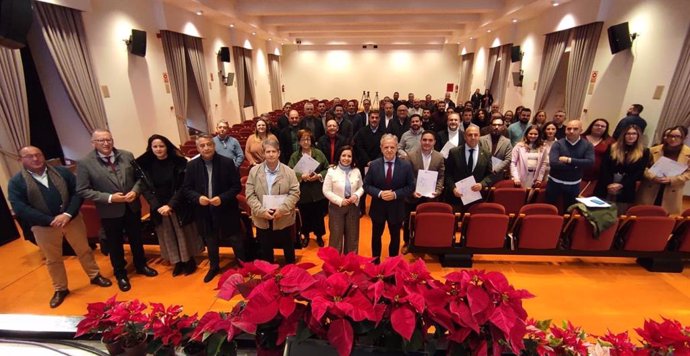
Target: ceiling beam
(369,19)
(325,7)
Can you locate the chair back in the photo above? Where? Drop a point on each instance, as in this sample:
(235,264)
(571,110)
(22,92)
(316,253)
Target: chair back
(646,210)
(487,208)
(434,229)
(434,207)
(512,199)
(485,230)
(647,233)
(539,209)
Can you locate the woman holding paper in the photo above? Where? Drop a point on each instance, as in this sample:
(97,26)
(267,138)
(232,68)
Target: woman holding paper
(621,168)
(530,159)
(666,191)
(343,188)
(272,193)
(310,166)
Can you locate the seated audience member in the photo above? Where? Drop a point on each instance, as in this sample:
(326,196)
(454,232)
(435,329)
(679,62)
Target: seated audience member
(401,123)
(666,191)
(345,127)
(343,187)
(273,223)
(312,203)
(288,137)
(389,181)
(212,183)
(227,145)
(622,167)
(163,169)
(253,149)
(45,201)
(331,142)
(411,139)
(516,130)
(283,119)
(427,122)
(568,158)
(312,122)
(424,158)
(530,160)
(597,134)
(499,146)
(469,159)
(559,121)
(451,135)
(539,119)
(632,118)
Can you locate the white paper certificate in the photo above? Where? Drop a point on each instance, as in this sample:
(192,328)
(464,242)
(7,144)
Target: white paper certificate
(426,183)
(495,162)
(666,167)
(271,202)
(307,164)
(446,148)
(465,188)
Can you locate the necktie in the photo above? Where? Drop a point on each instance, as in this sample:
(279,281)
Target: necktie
(389,174)
(470,160)
(109,162)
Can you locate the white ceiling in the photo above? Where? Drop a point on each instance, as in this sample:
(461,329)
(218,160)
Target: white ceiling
(360,22)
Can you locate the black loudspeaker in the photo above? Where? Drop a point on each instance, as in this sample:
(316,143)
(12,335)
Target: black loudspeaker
(515,55)
(619,37)
(224,54)
(137,43)
(15,20)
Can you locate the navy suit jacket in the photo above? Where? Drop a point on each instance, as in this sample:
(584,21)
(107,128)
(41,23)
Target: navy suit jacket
(403,185)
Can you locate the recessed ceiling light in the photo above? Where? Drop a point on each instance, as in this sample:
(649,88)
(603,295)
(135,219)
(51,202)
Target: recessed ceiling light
(269,39)
(515,20)
(471,38)
(488,31)
(232,25)
(253,33)
(199,12)
(554,3)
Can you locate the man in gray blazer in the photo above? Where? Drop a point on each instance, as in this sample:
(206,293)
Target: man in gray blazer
(425,158)
(106,176)
(500,148)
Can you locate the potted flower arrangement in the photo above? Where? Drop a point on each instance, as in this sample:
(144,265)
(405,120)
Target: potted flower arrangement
(122,324)
(98,320)
(169,327)
(392,306)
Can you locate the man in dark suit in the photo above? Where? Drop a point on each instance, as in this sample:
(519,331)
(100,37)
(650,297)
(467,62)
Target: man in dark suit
(212,184)
(389,181)
(312,122)
(367,148)
(388,115)
(331,142)
(345,126)
(452,133)
(283,120)
(288,137)
(363,116)
(106,176)
(464,161)
(401,123)
(425,158)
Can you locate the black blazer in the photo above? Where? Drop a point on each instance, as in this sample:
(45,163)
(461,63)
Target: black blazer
(457,169)
(285,141)
(324,145)
(632,173)
(403,185)
(226,185)
(398,129)
(314,124)
(177,202)
(442,139)
(367,146)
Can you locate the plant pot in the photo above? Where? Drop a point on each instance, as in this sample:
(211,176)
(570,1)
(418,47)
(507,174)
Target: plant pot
(136,350)
(195,349)
(166,351)
(114,347)
(317,347)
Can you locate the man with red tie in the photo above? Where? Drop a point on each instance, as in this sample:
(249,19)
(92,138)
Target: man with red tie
(389,181)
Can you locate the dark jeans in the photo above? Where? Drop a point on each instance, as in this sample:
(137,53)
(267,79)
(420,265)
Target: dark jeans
(376,232)
(268,239)
(130,223)
(568,192)
(212,241)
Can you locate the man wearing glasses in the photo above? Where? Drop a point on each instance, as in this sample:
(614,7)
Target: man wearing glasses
(499,146)
(106,176)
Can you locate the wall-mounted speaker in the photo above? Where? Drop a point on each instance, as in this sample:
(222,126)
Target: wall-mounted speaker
(619,37)
(137,43)
(515,54)
(15,20)
(229,79)
(224,54)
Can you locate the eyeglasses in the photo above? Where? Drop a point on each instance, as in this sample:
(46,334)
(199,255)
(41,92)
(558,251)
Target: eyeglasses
(104,140)
(674,136)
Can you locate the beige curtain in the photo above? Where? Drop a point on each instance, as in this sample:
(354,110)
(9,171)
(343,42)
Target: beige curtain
(63,31)
(554,48)
(243,73)
(249,73)
(174,53)
(582,52)
(490,67)
(274,74)
(465,78)
(14,110)
(676,109)
(503,71)
(195,56)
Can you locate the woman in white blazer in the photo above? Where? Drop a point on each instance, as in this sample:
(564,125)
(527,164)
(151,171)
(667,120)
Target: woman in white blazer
(343,189)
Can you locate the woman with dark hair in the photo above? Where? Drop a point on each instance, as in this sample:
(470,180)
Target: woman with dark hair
(163,169)
(597,134)
(661,190)
(548,133)
(343,187)
(623,166)
(508,117)
(539,118)
(312,203)
(481,118)
(530,160)
(253,150)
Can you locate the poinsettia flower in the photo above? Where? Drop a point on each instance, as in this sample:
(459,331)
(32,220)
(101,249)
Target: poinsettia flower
(96,317)
(569,338)
(617,344)
(416,275)
(665,335)
(404,308)
(167,324)
(341,336)
(335,296)
(334,262)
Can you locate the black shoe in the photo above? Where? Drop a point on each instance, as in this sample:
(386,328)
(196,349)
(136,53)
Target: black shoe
(123,284)
(101,281)
(211,274)
(179,268)
(58,298)
(147,271)
(405,249)
(190,267)
(319,241)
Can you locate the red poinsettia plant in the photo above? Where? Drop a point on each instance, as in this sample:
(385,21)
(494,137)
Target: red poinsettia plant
(98,320)
(169,326)
(395,304)
(117,321)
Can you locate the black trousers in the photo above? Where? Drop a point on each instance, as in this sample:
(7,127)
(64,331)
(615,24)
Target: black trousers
(212,241)
(376,232)
(269,238)
(312,217)
(130,223)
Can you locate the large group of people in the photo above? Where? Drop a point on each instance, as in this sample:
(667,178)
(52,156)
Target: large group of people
(326,160)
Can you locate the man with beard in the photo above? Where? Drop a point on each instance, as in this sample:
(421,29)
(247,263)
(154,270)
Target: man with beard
(500,148)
